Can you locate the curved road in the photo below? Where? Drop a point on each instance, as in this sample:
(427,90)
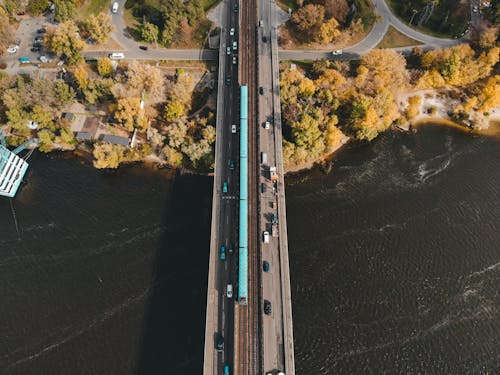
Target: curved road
(374,38)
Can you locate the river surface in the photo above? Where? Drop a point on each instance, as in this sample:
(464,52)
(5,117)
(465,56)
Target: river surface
(395,264)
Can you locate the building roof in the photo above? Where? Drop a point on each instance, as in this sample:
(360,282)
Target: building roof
(83,136)
(68,116)
(115,139)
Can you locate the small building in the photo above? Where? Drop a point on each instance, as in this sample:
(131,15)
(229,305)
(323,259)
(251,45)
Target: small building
(114,139)
(83,136)
(68,116)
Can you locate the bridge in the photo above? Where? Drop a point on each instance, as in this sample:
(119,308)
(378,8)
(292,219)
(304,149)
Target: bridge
(249,315)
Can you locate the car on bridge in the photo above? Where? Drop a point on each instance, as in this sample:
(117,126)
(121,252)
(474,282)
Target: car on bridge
(231,164)
(228,80)
(224,187)
(228,50)
(229,292)
(233,128)
(235,59)
(231,32)
(219,344)
(222,254)
(226,370)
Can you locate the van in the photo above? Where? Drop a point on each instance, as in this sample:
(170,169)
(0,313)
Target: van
(117,56)
(261,23)
(263,158)
(265,236)
(229,291)
(114,7)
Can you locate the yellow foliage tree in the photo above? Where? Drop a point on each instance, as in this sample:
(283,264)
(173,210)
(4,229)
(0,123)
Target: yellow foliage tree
(490,94)
(329,31)
(129,114)
(107,155)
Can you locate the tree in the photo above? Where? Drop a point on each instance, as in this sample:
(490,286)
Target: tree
(329,31)
(45,141)
(129,114)
(66,137)
(37,7)
(7,33)
(65,40)
(176,134)
(488,37)
(308,20)
(149,32)
(64,94)
(174,110)
(413,109)
(65,10)
(82,77)
(108,155)
(44,118)
(209,134)
(386,68)
(144,78)
(97,27)
(174,157)
(490,94)
(105,66)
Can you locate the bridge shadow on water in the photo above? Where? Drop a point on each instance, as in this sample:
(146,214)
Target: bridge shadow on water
(174,325)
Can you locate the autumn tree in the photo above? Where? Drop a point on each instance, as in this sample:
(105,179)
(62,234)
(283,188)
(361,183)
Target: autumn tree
(413,109)
(329,31)
(97,27)
(108,155)
(490,94)
(129,114)
(144,78)
(65,40)
(7,33)
(65,10)
(308,20)
(105,66)
(173,157)
(488,37)
(37,7)
(384,68)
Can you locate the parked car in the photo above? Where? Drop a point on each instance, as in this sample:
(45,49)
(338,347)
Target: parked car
(24,60)
(114,7)
(35,49)
(226,370)
(236,7)
(262,90)
(265,236)
(91,41)
(43,59)
(38,39)
(337,52)
(267,125)
(42,30)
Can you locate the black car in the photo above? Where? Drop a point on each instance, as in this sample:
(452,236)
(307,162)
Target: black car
(38,39)
(267,307)
(219,345)
(236,7)
(144,48)
(35,49)
(41,31)
(265,266)
(264,38)
(228,80)
(262,90)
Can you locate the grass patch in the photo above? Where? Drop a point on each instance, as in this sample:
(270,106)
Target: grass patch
(93,7)
(393,38)
(209,4)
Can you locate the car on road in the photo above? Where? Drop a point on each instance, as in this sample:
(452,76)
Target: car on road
(230,250)
(13,49)
(267,125)
(228,50)
(226,370)
(233,129)
(235,59)
(337,52)
(144,48)
(114,7)
(262,90)
(224,187)
(116,56)
(265,266)
(231,164)
(231,31)
(219,343)
(235,45)
(267,307)
(228,80)
(222,253)
(265,236)
(236,7)
(229,292)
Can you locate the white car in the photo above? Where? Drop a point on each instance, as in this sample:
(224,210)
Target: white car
(114,7)
(235,46)
(235,59)
(228,50)
(13,49)
(229,291)
(233,128)
(265,236)
(267,125)
(231,32)
(337,52)
(43,59)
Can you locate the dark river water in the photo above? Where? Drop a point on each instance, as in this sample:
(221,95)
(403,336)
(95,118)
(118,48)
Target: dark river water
(395,264)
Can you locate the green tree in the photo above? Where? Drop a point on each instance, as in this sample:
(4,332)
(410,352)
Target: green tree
(97,27)
(64,93)
(37,7)
(44,118)
(45,141)
(66,137)
(65,10)
(149,32)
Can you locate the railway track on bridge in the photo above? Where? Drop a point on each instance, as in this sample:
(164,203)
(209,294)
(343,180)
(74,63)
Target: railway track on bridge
(249,348)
